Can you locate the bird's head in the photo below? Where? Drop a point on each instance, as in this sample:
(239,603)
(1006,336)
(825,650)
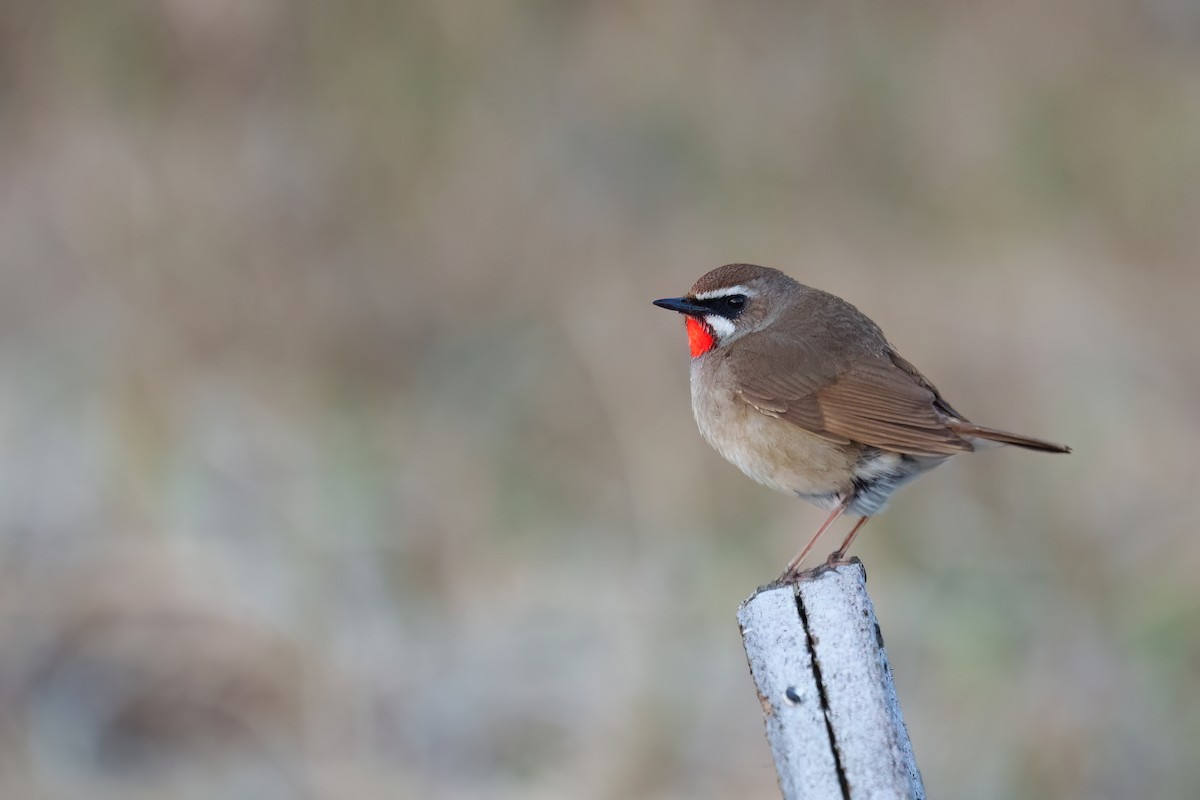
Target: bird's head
(728,303)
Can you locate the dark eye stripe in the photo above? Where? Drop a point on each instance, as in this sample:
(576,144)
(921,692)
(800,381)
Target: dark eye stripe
(729,306)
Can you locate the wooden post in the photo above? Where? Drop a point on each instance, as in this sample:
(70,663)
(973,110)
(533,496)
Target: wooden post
(833,720)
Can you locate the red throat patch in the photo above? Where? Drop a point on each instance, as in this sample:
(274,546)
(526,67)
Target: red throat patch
(700,337)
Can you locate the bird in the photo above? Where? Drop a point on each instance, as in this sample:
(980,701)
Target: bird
(803,393)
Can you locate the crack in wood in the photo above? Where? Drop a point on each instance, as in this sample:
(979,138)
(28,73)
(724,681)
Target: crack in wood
(816,666)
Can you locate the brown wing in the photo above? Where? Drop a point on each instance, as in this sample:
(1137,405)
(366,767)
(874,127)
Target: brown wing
(870,398)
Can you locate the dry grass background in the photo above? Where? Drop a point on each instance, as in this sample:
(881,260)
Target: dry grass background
(344,455)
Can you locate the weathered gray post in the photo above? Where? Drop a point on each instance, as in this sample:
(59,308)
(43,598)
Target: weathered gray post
(833,720)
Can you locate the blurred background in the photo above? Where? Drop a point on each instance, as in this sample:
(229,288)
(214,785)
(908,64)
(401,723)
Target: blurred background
(344,455)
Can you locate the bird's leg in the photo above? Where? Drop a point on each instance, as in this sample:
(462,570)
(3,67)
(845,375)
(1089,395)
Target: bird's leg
(795,563)
(840,553)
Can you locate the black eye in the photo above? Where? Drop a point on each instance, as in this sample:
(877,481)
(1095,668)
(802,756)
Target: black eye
(735,302)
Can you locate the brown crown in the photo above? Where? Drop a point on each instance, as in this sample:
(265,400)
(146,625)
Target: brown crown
(732,275)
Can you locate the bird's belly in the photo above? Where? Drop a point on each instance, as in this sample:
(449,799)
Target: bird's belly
(879,473)
(774,452)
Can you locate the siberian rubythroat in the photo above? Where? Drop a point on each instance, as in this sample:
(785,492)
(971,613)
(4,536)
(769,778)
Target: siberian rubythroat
(802,392)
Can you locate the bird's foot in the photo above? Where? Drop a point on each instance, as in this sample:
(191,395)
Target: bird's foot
(793,574)
(839,559)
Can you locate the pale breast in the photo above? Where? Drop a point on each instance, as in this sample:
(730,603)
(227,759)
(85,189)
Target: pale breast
(769,450)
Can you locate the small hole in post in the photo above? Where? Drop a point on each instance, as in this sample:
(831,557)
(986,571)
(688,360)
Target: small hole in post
(793,697)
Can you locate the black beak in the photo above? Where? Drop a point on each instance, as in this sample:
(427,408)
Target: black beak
(683,306)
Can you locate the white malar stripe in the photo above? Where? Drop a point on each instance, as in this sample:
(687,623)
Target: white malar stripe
(724,292)
(722,326)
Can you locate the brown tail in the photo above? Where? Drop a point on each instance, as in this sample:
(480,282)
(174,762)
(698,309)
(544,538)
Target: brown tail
(992,435)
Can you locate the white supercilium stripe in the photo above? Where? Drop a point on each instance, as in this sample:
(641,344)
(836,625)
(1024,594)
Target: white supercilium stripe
(723,292)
